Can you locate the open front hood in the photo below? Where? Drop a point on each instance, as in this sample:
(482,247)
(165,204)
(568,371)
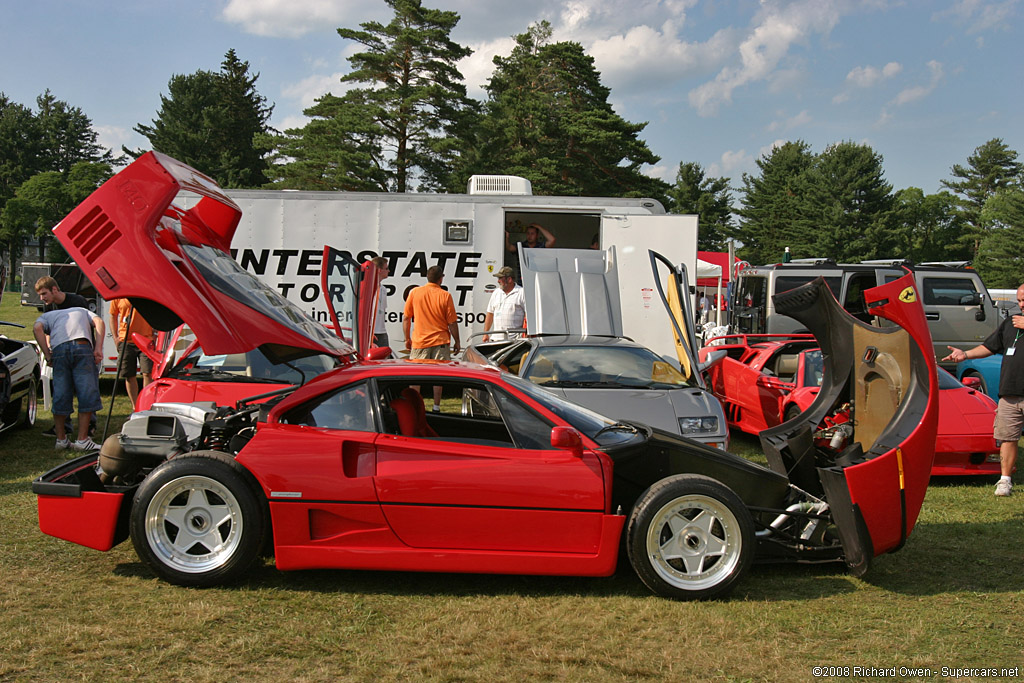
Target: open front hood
(131,241)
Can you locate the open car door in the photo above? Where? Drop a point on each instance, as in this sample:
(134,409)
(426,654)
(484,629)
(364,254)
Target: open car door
(672,284)
(350,292)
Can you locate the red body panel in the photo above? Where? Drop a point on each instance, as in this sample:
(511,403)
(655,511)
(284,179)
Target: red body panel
(184,391)
(352,499)
(754,402)
(90,520)
(105,227)
(896,481)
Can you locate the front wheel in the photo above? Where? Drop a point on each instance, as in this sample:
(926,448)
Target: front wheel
(197,520)
(690,537)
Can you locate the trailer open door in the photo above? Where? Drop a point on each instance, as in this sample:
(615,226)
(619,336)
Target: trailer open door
(675,237)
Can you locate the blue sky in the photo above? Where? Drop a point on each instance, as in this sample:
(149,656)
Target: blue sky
(720,82)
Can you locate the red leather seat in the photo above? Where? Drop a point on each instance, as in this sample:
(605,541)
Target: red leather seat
(411,414)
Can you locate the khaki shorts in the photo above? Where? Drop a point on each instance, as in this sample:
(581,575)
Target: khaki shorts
(439,352)
(1009,418)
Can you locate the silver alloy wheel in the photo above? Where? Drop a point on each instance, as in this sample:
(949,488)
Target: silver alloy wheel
(31,405)
(694,542)
(193,524)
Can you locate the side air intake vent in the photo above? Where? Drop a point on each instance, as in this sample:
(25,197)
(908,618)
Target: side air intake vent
(94,234)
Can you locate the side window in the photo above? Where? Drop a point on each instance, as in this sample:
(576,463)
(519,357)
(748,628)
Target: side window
(948,291)
(854,301)
(347,409)
(466,412)
(529,430)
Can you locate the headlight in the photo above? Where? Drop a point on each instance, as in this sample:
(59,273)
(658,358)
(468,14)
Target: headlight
(698,425)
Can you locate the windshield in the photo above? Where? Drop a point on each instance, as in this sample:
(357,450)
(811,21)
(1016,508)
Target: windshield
(223,274)
(612,367)
(948,381)
(598,427)
(252,366)
(814,368)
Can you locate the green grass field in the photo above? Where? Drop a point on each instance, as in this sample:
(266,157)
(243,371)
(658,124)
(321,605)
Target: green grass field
(952,597)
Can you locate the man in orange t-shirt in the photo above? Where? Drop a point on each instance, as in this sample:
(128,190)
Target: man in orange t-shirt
(131,359)
(432,310)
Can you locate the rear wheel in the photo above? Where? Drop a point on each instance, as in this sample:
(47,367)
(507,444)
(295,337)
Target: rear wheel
(792,411)
(197,520)
(690,537)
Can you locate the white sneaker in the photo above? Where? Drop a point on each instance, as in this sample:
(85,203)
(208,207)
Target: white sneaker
(62,444)
(1003,488)
(85,445)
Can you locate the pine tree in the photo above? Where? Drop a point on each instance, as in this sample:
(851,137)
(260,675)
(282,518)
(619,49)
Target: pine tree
(21,146)
(993,166)
(775,206)
(548,119)
(68,135)
(928,226)
(710,199)
(1000,259)
(211,121)
(851,205)
(334,151)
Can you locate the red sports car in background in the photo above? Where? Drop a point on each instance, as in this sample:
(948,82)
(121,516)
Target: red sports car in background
(764,380)
(347,470)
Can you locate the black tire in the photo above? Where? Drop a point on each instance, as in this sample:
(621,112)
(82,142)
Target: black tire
(31,404)
(198,520)
(792,410)
(984,386)
(690,537)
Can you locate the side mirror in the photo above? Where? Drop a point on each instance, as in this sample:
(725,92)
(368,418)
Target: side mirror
(971,382)
(378,353)
(567,439)
(712,359)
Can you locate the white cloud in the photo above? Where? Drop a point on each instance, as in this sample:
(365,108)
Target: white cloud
(867,76)
(288,18)
(660,172)
(305,92)
(644,56)
(112,137)
(776,29)
(801,119)
(477,68)
(918,92)
(732,164)
(980,15)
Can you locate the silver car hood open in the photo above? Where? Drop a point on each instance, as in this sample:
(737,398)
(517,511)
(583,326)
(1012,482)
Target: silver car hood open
(571,291)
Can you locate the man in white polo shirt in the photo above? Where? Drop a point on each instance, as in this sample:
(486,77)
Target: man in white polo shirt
(507,308)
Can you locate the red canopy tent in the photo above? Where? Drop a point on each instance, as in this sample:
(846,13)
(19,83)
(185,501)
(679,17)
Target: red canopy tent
(720,259)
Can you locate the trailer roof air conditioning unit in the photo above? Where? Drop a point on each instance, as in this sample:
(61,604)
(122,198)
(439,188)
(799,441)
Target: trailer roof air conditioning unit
(499,184)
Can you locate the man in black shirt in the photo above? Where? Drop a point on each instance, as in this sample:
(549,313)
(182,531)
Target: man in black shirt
(1007,340)
(53,298)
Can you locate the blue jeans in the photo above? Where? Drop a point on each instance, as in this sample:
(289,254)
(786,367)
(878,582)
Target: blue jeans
(75,374)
